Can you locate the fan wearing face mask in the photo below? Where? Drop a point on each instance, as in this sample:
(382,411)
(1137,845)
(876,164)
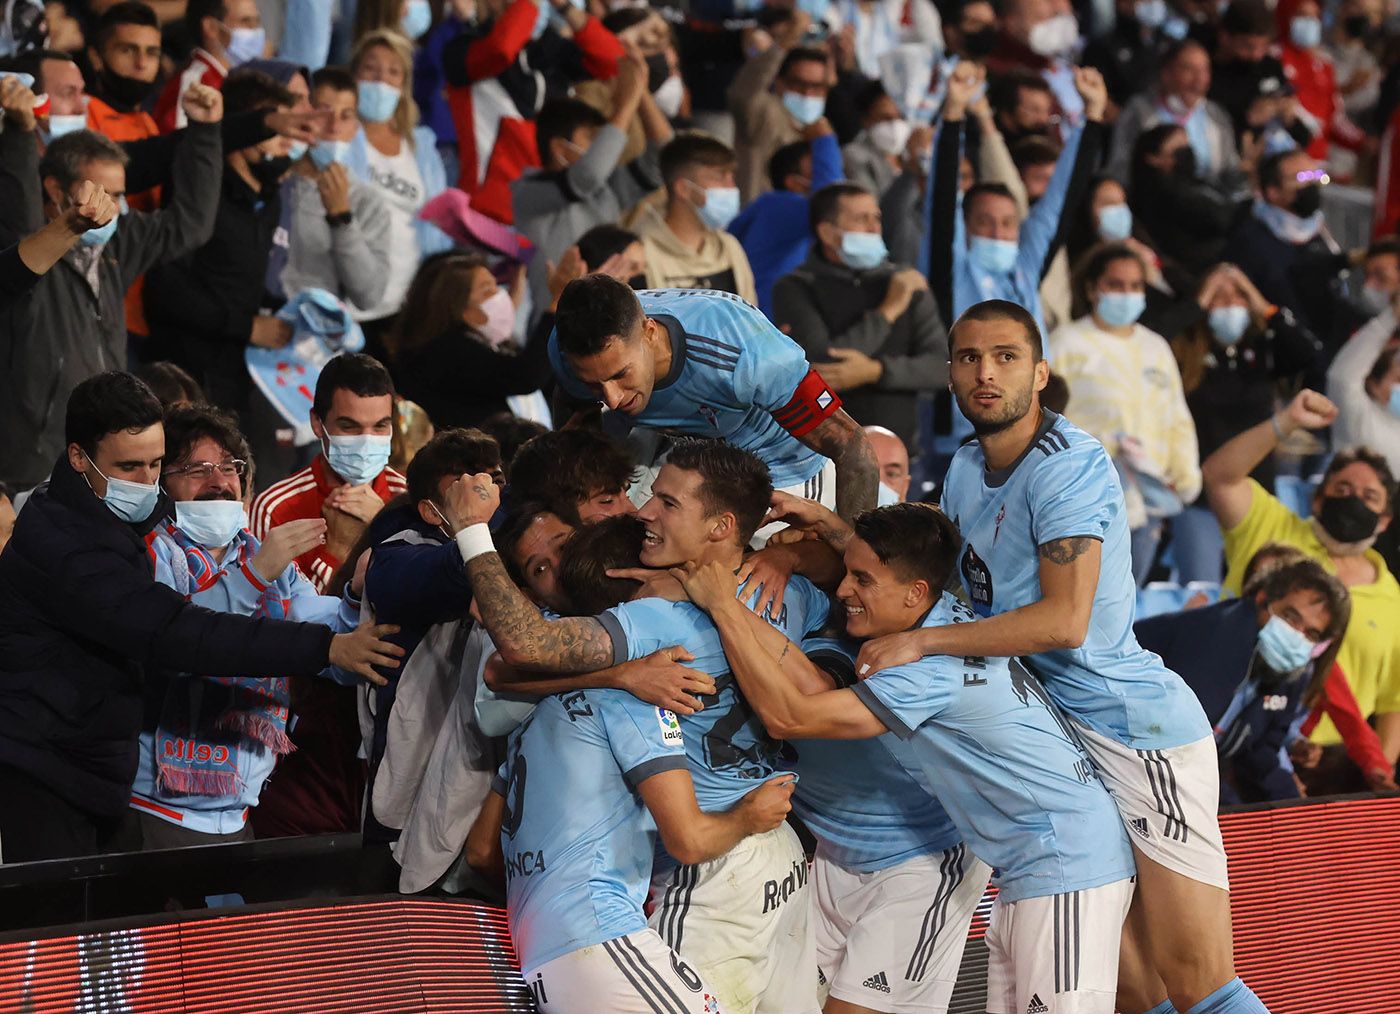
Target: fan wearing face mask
(873,158)
(1312,75)
(226,33)
(1364,381)
(1351,506)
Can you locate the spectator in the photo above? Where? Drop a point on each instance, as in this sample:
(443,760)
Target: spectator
(687,246)
(1245,71)
(649,33)
(580,474)
(349,481)
(880,27)
(775,95)
(1023,105)
(1041,36)
(1353,504)
(399,160)
(1232,357)
(1131,52)
(1354,63)
(1254,663)
(499,73)
(972,35)
(52,339)
(1125,390)
(26,262)
(869,326)
(893,457)
(172,386)
(774,228)
(340,227)
(226,33)
(1364,383)
(1035,159)
(209,743)
(83,621)
(872,160)
(613,250)
(56,75)
(125,53)
(203,307)
(512,433)
(1310,72)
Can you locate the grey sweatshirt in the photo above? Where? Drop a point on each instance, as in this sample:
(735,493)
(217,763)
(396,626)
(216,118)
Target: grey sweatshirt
(347,260)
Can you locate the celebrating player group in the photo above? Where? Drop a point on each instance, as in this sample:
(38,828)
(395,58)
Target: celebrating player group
(930,741)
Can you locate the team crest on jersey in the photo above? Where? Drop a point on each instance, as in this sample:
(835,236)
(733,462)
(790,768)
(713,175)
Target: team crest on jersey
(978,581)
(996,532)
(670,727)
(710,416)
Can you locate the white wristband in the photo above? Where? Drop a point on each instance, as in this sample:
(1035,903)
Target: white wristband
(474,540)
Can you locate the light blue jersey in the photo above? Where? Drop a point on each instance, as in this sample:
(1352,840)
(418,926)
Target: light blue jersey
(729,750)
(733,375)
(858,796)
(577,838)
(1063,486)
(1003,762)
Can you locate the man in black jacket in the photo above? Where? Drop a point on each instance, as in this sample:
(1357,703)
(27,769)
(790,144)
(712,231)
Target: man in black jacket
(82,618)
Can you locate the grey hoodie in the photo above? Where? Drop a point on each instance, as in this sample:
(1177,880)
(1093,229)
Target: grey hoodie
(347,260)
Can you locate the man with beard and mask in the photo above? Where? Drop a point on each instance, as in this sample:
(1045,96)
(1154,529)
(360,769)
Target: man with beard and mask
(972,35)
(1353,504)
(209,743)
(1042,36)
(125,53)
(1254,661)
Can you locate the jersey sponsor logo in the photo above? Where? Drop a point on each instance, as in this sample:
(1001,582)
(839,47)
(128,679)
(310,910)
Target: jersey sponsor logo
(775,892)
(1274,702)
(877,981)
(525,863)
(977,578)
(1037,1005)
(670,727)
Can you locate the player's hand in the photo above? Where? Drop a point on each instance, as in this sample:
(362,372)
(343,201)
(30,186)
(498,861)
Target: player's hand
(361,502)
(768,805)
(471,500)
(709,585)
(1307,411)
(285,543)
(889,651)
(660,679)
(655,584)
(202,104)
(90,207)
(808,516)
(1304,753)
(769,570)
(364,648)
(333,184)
(1088,82)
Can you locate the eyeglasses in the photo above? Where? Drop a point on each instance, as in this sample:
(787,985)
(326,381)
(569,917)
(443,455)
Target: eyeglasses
(204,469)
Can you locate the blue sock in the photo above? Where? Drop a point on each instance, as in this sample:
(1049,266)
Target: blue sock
(1232,998)
(1165,1007)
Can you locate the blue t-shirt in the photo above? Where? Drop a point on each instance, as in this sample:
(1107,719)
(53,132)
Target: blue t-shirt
(577,838)
(858,796)
(1063,486)
(1002,760)
(733,375)
(729,750)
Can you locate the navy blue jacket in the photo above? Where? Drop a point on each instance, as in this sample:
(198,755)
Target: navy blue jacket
(1212,648)
(82,619)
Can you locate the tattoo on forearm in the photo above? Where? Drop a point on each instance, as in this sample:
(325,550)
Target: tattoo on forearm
(578,644)
(857,470)
(1063,551)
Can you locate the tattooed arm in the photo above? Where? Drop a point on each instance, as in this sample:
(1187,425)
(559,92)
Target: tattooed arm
(1069,578)
(842,440)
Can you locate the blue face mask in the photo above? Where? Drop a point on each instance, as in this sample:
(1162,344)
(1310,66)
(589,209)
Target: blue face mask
(541,19)
(1229,323)
(805,109)
(721,206)
(245,44)
(815,8)
(1115,222)
(863,250)
(1283,648)
(133,502)
(325,154)
(1150,13)
(377,101)
(1305,32)
(1120,309)
(417,19)
(1394,403)
(211,523)
(359,459)
(60,125)
(995,255)
(296,150)
(102,234)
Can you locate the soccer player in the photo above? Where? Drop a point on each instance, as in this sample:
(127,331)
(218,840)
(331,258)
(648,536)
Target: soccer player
(742,919)
(570,814)
(986,741)
(709,364)
(1045,559)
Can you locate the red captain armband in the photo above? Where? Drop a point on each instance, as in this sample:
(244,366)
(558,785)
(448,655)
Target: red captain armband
(812,403)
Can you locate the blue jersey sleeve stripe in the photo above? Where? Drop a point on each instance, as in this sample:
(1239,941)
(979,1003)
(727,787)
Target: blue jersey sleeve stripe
(613,626)
(655,766)
(695,357)
(721,348)
(878,708)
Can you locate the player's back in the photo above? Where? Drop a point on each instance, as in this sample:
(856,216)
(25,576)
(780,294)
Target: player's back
(1064,487)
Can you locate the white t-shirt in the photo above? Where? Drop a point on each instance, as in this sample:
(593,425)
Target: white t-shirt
(396,178)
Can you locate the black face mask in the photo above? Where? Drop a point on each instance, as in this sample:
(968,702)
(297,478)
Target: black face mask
(1184,163)
(981,42)
(126,92)
(638,282)
(658,70)
(1356,25)
(1306,201)
(1347,519)
(270,170)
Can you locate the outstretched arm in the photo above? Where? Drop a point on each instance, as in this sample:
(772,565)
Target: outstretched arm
(842,440)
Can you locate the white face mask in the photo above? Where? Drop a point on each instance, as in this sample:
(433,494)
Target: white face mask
(1055,36)
(670,95)
(890,136)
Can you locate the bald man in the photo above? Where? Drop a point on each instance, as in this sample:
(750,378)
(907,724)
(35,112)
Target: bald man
(893,457)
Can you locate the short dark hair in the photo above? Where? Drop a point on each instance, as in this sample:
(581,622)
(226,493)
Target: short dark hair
(513,529)
(1248,17)
(592,551)
(787,161)
(625,17)
(825,204)
(195,13)
(65,156)
(1000,309)
(731,479)
(1386,246)
(511,433)
(594,310)
(1266,558)
(602,241)
(915,540)
(1091,266)
(978,190)
(1004,90)
(170,383)
(451,452)
(1148,144)
(188,425)
(333,77)
(1377,462)
(31,62)
(246,90)
(565,466)
(1174,51)
(560,118)
(1034,149)
(128,12)
(867,95)
(685,151)
(355,372)
(801,54)
(108,403)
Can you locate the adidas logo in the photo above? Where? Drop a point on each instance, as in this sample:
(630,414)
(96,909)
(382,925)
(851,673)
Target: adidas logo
(821,977)
(1036,1006)
(1139,824)
(877,981)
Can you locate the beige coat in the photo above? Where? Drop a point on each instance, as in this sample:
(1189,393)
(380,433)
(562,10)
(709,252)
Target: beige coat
(672,265)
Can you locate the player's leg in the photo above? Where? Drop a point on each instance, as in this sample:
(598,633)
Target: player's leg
(1140,988)
(632,974)
(835,893)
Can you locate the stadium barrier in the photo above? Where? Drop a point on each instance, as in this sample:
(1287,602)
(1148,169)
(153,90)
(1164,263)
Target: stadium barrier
(1315,887)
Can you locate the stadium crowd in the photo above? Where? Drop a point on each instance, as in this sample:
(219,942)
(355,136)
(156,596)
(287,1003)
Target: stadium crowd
(845,452)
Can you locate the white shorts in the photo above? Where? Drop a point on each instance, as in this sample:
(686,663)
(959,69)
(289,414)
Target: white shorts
(893,940)
(742,921)
(820,487)
(1169,801)
(632,974)
(1057,954)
